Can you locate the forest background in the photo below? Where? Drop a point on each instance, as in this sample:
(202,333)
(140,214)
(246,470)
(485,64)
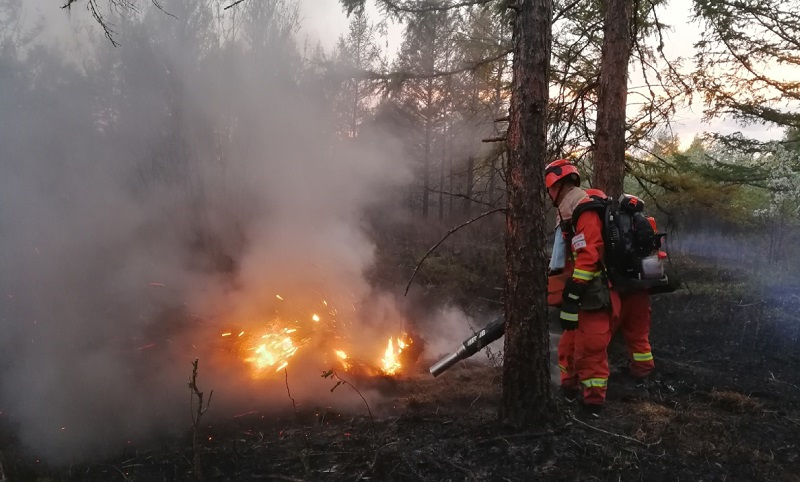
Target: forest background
(173,144)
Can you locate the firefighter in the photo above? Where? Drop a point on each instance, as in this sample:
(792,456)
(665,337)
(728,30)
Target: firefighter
(586,301)
(634,323)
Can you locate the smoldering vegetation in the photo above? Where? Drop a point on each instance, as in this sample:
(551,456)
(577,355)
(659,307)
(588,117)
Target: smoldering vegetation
(156,195)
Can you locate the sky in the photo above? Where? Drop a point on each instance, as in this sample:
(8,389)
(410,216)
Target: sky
(88,260)
(323,21)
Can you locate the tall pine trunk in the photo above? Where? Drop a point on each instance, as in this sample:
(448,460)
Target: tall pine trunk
(526,373)
(426,162)
(609,155)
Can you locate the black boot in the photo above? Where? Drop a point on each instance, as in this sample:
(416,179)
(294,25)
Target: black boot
(591,410)
(569,394)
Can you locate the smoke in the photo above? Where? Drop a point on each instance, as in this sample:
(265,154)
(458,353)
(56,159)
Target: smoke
(170,191)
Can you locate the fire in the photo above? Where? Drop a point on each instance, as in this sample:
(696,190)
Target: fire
(318,328)
(343,359)
(390,363)
(273,349)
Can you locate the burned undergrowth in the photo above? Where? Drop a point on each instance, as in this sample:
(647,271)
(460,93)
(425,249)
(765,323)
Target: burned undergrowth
(724,404)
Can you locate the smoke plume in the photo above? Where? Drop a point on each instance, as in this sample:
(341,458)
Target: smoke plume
(160,194)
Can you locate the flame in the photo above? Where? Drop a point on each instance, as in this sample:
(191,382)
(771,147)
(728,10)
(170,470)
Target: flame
(390,363)
(343,359)
(273,349)
(270,348)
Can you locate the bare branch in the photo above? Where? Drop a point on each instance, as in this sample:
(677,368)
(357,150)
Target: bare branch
(237,2)
(453,230)
(158,6)
(429,7)
(402,76)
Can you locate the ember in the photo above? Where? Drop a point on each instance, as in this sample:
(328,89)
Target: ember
(270,348)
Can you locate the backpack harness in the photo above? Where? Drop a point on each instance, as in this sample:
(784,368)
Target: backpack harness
(632,259)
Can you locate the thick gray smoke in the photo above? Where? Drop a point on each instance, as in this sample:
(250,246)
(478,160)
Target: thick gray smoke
(164,192)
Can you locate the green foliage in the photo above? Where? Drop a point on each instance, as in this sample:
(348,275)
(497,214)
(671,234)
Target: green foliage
(747,60)
(732,185)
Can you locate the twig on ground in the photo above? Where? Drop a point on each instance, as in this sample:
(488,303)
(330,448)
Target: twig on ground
(516,435)
(453,230)
(278,477)
(464,470)
(374,460)
(625,437)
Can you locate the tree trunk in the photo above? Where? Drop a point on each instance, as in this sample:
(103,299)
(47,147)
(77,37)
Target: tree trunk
(470,182)
(442,162)
(526,367)
(426,162)
(609,155)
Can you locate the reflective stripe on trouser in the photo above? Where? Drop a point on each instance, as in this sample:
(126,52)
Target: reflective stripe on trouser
(591,358)
(566,360)
(634,323)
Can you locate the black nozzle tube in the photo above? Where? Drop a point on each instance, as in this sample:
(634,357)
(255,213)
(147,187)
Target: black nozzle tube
(492,332)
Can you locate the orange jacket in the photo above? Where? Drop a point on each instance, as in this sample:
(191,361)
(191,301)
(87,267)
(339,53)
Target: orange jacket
(587,250)
(587,245)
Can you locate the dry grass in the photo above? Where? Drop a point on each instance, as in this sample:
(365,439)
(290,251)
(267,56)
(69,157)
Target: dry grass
(736,402)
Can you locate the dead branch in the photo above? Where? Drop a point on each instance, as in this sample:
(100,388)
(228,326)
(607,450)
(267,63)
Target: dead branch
(341,381)
(453,230)
(503,119)
(158,6)
(401,76)
(398,8)
(294,403)
(202,408)
(461,196)
(237,2)
(624,437)
(495,139)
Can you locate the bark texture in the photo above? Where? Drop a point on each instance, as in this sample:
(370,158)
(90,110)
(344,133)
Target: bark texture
(609,156)
(526,373)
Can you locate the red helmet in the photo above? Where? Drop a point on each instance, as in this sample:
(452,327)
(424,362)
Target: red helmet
(558,170)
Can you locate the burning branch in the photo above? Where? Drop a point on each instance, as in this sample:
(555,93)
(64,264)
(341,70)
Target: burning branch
(202,408)
(339,381)
(466,223)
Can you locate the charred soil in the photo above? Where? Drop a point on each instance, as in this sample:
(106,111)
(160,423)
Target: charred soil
(724,404)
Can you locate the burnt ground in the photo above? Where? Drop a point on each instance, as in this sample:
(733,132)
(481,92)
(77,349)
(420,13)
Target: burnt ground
(724,405)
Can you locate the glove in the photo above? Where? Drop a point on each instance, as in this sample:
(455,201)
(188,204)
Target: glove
(570,301)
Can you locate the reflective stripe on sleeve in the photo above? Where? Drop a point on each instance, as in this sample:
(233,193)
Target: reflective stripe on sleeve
(569,316)
(643,356)
(582,275)
(563,368)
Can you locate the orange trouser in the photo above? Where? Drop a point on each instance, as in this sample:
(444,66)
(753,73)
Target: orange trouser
(582,355)
(634,323)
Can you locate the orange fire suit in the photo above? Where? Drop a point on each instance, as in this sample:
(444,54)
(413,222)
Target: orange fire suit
(582,355)
(634,323)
